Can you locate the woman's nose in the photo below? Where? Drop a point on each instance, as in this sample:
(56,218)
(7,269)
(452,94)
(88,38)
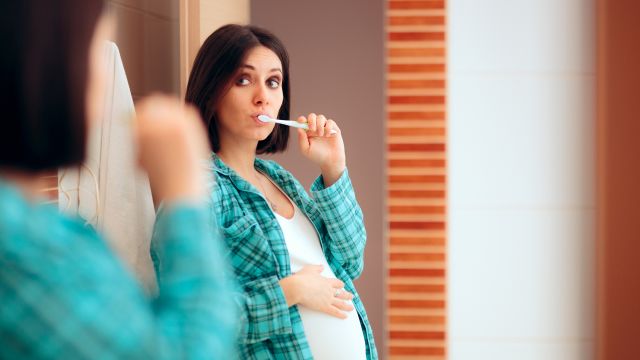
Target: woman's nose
(261,96)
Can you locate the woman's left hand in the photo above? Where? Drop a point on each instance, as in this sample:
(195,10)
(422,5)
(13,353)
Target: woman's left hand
(322,147)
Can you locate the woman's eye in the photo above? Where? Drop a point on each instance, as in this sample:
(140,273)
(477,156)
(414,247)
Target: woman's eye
(273,83)
(243,81)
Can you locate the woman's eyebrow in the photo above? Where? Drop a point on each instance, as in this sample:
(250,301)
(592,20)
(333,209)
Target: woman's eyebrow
(251,67)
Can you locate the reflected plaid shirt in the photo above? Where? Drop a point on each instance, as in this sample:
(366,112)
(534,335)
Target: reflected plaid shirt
(65,295)
(257,250)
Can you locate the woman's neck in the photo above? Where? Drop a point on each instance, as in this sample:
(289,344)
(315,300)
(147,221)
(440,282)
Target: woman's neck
(30,184)
(240,158)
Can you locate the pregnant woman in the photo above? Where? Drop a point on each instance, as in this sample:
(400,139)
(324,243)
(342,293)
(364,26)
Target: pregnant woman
(295,255)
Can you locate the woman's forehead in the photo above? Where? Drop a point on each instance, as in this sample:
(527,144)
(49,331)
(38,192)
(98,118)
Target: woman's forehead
(262,59)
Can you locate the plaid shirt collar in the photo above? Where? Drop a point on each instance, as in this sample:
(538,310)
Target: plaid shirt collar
(278,175)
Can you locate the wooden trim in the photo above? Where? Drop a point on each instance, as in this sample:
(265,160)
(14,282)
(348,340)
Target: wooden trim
(49,190)
(189,39)
(618,179)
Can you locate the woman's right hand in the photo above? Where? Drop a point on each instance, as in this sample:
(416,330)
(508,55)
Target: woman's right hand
(309,288)
(172,144)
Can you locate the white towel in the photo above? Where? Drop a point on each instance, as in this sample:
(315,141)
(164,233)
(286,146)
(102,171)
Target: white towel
(109,191)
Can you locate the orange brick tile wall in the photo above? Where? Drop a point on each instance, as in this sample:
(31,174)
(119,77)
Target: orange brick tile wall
(416,183)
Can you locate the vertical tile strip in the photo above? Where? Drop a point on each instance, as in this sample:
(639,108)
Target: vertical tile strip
(416,179)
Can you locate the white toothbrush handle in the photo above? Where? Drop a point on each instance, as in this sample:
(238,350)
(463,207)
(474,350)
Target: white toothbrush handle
(292,123)
(297,124)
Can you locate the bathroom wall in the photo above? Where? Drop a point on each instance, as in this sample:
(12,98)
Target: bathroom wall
(147,35)
(521,179)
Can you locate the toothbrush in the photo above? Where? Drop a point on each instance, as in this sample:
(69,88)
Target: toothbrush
(295,124)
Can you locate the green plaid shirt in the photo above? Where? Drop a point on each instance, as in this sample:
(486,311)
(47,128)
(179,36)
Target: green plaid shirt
(258,252)
(65,295)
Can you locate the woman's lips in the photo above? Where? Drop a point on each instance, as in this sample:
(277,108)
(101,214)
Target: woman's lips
(260,123)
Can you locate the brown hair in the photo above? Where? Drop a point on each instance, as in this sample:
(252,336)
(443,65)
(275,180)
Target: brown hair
(44,66)
(217,61)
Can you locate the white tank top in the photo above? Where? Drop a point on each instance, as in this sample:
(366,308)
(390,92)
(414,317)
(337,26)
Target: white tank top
(330,338)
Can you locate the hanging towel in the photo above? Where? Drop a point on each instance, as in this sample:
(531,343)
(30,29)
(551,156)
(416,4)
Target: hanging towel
(109,191)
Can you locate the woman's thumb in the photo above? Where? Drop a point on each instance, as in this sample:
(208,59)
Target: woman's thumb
(303,140)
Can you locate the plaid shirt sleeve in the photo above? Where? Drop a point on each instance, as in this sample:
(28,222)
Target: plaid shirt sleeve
(83,304)
(345,225)
(193,307)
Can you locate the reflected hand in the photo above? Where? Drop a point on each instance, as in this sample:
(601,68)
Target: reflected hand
(171,145)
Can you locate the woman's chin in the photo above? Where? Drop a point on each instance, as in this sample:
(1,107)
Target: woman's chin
(254,134)
(262,134)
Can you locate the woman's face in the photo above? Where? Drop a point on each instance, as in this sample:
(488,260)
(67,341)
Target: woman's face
(256,89)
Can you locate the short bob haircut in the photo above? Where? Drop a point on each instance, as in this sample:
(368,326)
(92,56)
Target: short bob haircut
(218,62)
(44,66)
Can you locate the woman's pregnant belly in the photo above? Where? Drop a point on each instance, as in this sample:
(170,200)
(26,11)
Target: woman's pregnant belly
(331,338)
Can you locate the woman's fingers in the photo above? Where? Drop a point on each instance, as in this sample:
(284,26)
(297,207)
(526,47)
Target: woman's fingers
(311,122)
(324,128)
(303,138)
(321,121)
(343,294)
(318,126)
(323,294)
(331,128)
(342,305)
(335,312)
(336,283)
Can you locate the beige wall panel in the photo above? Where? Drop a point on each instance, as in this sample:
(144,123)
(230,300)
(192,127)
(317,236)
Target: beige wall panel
(215,13)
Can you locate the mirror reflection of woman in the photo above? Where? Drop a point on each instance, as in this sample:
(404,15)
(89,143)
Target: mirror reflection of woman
(295,256)
(64,294)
